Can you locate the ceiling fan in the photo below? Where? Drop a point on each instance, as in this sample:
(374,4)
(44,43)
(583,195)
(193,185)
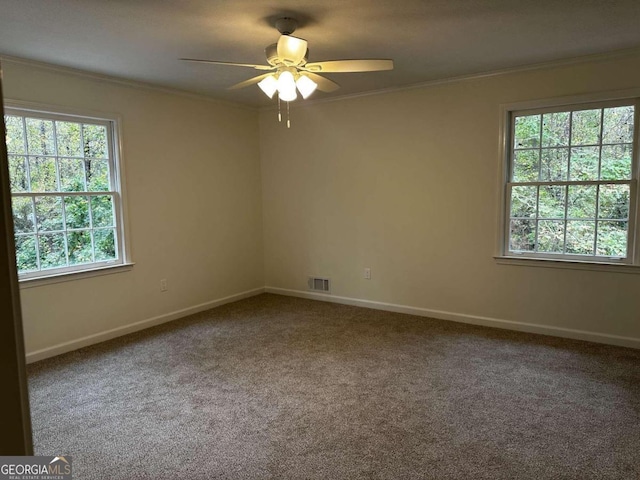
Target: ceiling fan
(288,71)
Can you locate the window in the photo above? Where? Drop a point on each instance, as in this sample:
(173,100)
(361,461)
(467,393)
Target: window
(571,183)
(65,192)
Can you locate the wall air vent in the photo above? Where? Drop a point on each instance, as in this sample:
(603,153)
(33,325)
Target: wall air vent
(318,284)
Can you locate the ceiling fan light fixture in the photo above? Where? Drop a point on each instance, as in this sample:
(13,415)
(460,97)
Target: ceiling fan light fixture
(287,87)
(269,85)
(306,86)
(288,71)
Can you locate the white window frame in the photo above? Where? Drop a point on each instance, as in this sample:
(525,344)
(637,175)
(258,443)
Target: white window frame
(630,264)
(116,172)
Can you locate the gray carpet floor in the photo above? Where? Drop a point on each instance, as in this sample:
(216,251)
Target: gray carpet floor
(274,387)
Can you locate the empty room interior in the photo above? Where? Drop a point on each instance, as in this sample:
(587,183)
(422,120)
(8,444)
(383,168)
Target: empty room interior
(337,240)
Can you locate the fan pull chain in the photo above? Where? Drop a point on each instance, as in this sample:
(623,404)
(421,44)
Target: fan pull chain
(288,117)
(279,114)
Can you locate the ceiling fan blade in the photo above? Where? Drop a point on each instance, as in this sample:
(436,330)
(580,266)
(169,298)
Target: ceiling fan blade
(345,66)
(291,50)
(233,64)
(251,81)
(324,84)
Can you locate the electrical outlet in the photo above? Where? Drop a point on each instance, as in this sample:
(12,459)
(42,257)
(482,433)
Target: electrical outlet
(163,285)
(367,273)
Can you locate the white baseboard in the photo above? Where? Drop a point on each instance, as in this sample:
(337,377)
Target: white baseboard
(390,307)
(134,327)
(464,318)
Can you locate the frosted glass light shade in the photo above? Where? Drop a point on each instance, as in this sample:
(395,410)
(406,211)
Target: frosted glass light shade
(306,86)
(287,87)
(268,85)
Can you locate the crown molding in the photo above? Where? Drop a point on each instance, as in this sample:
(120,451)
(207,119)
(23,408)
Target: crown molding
(629,52)
(121,81)
(307,103)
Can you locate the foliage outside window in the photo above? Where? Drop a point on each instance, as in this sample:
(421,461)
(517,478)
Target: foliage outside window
(571,184)
(64,192)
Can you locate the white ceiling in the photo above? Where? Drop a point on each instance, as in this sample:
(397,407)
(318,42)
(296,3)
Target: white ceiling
(428,40)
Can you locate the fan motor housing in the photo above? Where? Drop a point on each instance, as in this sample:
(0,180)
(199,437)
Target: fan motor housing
(272,55)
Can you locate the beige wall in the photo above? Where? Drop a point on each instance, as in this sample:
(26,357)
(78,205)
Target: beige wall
(407,183)
(194,205)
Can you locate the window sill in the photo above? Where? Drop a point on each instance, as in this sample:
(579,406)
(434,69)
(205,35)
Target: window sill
(568,264)
(71,276)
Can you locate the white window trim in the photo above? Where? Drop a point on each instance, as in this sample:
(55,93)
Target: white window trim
(124,244)
(76,275)
(501,256)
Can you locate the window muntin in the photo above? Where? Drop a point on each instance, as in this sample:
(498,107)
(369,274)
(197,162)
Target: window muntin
(65,194)
(571,183)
